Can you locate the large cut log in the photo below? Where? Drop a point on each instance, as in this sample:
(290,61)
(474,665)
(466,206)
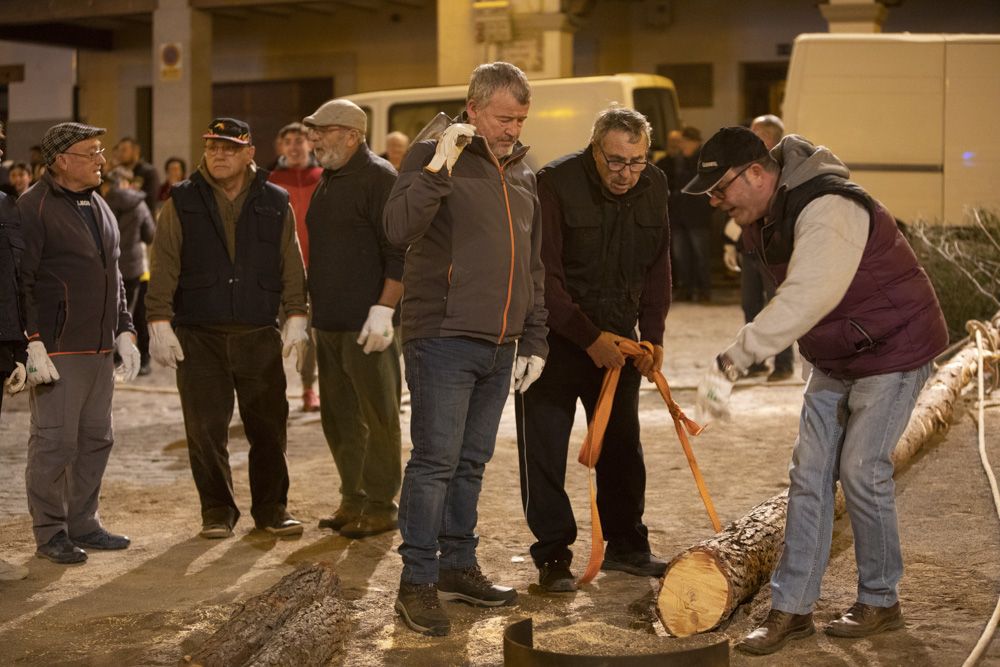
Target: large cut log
(704,584)
(298,621)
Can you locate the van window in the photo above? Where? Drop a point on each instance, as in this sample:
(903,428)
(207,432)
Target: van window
(411,117)
(657,105)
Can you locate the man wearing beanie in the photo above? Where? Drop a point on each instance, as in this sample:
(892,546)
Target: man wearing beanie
(75,319)
(225,261)
(866,318)
(354,286)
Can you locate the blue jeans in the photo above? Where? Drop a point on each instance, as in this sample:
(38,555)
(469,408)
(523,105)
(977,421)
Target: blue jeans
(848,430)
(458,388)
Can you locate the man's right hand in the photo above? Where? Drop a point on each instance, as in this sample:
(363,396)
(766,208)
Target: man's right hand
(163,344)
(605,353)
(40,368)
(449,146)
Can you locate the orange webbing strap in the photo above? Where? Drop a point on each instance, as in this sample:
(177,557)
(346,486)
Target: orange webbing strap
(590,452)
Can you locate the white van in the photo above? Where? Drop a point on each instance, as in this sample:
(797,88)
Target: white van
(915,117)
(559,121)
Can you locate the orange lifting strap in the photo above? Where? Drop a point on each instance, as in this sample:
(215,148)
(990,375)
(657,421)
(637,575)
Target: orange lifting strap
(590,452)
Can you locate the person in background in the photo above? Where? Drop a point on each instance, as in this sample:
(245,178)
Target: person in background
(298,173)
(175,171)
(396,144)
(128,153)
(757,286)
(868,322)
(36,162)
(20,178)
(76,320)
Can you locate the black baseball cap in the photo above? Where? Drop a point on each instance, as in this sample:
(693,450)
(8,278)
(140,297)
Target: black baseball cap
(729,147)
(229,129)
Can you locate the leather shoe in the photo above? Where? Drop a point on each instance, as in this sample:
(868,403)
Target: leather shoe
(777,629)
(340,518)
(639,563)
(60,550)
(367,525)
(862,620)
(102,540)
(555,577)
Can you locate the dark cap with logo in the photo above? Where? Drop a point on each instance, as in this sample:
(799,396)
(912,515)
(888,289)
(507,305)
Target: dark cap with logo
(729,147)
(229,129)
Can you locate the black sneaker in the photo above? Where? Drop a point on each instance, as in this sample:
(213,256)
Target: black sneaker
(471,585)
(102,540)
(60,550)
(286,526)
(555,577)
(421,610)
(639,563)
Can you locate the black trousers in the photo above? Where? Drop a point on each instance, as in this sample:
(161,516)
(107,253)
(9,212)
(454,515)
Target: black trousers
(135,299)
(544,421)
(215,365)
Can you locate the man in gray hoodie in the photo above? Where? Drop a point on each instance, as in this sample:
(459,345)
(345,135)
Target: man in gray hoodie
(868,324)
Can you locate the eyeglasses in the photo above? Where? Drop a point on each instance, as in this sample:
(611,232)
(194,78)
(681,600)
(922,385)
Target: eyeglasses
(635,166)
(224,147)
(93,157)
(719,191)
(315,130)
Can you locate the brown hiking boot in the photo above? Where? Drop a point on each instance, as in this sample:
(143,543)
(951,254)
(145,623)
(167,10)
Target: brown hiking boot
(421,610)
(777,630)
(862,620)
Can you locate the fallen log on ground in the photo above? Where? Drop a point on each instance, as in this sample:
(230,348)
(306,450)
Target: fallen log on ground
(704,584)
(299,621)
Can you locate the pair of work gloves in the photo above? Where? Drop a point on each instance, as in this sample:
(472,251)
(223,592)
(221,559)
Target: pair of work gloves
(41,370)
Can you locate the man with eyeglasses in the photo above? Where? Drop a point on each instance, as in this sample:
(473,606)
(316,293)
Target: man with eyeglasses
(605,246)
(354,286)
(76,318)
(866,318)
(225,261)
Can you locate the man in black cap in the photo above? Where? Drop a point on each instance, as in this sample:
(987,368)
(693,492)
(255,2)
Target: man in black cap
(224,261)
(75,318)
(867,321)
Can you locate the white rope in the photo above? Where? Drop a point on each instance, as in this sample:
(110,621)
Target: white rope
(991,626)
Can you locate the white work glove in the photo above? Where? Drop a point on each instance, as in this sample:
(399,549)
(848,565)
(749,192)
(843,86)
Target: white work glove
(730,257)
(16,380)
(526,371)
(129,353)
(40,368)
(449,146)
(163,344)
(713,396)
(295,337)
(376,334)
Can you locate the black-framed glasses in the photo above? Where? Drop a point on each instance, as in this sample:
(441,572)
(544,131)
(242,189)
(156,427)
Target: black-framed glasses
(93,156)
(224,147)
(719,191)
(635,166)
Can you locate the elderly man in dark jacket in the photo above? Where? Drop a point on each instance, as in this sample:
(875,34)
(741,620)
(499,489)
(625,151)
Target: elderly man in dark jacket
(76,317)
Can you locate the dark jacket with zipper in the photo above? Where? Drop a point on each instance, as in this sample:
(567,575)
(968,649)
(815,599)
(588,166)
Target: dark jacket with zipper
(12,341)
(73,295)
(135,226)
(213,289)
(607,257)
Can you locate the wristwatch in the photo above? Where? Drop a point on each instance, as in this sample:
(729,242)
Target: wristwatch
(727,368)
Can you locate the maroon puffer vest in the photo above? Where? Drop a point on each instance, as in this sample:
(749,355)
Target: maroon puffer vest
(889,320)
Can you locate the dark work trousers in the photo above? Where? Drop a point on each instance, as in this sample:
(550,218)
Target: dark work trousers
(544,421)
(135,298)
(756,289)
(215,364)
(689,249)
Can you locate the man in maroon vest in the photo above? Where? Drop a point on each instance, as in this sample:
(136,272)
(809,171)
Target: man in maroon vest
(867,321)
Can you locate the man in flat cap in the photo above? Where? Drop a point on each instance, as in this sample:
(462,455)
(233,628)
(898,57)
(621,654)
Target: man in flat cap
(225,262)
(866,318)
(76,319)
(354,286)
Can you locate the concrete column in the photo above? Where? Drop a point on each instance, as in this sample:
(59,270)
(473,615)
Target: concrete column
(854,15)
(182,80)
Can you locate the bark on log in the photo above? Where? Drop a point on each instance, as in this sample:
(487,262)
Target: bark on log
(298,621)
(704,584)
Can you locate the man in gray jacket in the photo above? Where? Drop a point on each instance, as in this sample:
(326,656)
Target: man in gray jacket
(473,292)
(76,316)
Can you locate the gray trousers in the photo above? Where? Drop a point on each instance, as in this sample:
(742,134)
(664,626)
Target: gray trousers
(69,445)
(359,408)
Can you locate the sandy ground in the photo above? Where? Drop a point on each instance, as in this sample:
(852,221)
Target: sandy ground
(160,599)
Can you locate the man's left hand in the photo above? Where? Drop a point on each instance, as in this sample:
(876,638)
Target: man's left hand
(526,371)
(648,364)
(376,334)
(295,337)
(713,395)
(16,380)
(129,353)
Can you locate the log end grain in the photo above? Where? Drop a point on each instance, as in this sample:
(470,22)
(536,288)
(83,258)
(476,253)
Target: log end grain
(694,594)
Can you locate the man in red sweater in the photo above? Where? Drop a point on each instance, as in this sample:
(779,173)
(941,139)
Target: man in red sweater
(298,173)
